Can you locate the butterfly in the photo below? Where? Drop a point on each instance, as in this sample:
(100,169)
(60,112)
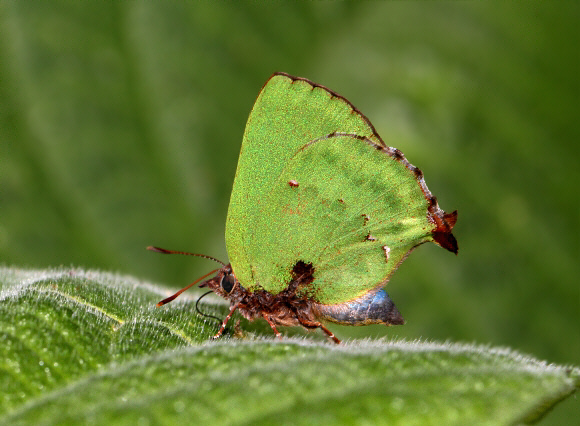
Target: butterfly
(322,212)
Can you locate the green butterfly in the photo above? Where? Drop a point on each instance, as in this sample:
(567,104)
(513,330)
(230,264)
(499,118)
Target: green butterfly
(321,213)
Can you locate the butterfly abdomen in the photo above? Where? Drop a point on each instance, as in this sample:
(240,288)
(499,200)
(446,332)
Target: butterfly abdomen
(375,307)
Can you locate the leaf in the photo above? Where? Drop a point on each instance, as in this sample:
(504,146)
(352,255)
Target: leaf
(61,324)
(89,347)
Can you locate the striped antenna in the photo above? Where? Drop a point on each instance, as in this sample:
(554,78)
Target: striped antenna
(165,251)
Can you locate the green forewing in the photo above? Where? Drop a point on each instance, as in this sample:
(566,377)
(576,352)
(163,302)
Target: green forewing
(315,184)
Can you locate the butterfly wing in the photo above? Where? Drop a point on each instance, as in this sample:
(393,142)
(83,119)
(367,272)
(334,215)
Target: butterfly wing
(315,184)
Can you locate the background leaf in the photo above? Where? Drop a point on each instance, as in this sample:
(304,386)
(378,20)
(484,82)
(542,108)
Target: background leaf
(121,122)
(86,347)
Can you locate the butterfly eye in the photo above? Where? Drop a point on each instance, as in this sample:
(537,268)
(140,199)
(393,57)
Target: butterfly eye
(228,282)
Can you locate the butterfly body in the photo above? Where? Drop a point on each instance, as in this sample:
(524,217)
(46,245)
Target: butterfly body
(288,308)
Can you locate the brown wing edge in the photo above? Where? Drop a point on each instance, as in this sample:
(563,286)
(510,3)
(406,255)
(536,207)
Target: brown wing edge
(332,94)
(444,222)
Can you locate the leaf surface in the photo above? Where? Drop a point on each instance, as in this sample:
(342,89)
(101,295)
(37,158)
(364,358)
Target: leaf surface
(89,347)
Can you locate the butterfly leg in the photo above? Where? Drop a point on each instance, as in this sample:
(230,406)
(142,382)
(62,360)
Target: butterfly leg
(225,321)
(267,318)
(329,334)
(316,324)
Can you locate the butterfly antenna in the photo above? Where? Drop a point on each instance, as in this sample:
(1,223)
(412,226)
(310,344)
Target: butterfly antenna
(170,298)
(201,313)
(165,251)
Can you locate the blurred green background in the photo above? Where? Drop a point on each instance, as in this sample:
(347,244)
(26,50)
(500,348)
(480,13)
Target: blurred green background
(121,123)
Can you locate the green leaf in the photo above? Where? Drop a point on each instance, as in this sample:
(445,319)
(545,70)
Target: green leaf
(90,347)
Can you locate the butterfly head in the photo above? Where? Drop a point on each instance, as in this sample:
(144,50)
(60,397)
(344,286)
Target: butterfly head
(224,283)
